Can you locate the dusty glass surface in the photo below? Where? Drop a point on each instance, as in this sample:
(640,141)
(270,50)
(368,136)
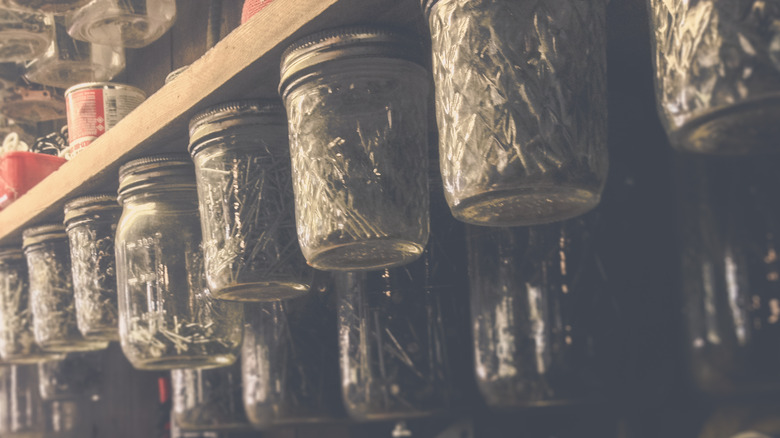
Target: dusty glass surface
(24,35)
(717,78)
(729,225)
(68,62)
(521,107)
(403,331)
(208,399)
(242,165)
(91,226)
(122,23)
(167,317)
(17,340)
(51,291)
(289,359)
(358,143)
(534,311)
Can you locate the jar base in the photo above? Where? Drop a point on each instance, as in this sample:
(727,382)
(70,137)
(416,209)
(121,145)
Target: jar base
(261,291)
(64,74)
(21,46)
(116,28)
(105,335)
(364,256)
(526,206)
(70,346)
(32,359)
(177,362)
(744,128)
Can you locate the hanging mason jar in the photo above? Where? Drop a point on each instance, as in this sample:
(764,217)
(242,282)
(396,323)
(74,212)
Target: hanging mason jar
(289,359)
(534,310)
(68,62)
(242,164)
(77,375)
(403,331)
(208,399)
(122,23)
(24,35)
(27,416)
(17,340)
(716,74)
(730,237)
(167,317)
(357,105)
(51,291)
(90,222)
(521,104)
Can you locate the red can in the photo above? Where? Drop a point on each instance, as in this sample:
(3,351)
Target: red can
(95,107)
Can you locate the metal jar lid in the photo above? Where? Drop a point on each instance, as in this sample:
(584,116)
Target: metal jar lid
(232,114)
(11,252)
(90,204)
(170,171)
(42,233)
(345,43)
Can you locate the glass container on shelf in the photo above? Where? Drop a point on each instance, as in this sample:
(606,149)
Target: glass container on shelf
(167,317)
(90,222)
(55,6)
(534,312)
(122,23)
(208,399)
(356,102)
(68,62)
(521,107)
(51,291)
(24,35)
(730,232)
(75,376)
(403,331)
(17,340)
(716,74)
(25,410)
(242,165)
(289,359)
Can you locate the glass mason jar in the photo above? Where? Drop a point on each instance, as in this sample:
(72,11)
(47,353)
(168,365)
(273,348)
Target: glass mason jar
(716,74)
(403,331)
(51,291)
(55,6)
(75,376)
(521,104)
(167,317)
(357,105)
(289,360)
(242,164)
(27,416)
(68,62)
(17,340)
(90,222)
(208,399)
(24,35)
(730,237)
(122,23)
(534,308)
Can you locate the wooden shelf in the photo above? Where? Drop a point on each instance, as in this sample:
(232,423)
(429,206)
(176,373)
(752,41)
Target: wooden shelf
(245,63)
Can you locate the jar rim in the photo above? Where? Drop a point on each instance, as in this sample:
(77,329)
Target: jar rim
(89,204)
(11,251)
(241,112)
(361,41)
(42,233)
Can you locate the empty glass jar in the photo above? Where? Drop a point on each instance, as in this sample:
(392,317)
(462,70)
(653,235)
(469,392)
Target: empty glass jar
(521,105)
(51,291)
(208,399)
(75,376)
(56,6)
(122,23)
(24,35)
(90,222)
(730,236)
(68,62)
(167,317)
(242,164)
(404,331)
(534,310)
(357,104)
(716,74)
(17,340)
(289,359)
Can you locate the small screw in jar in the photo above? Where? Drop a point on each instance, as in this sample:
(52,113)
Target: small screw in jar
(167,317)
(357,104)
(51,291)
(90,222)
(17,340)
